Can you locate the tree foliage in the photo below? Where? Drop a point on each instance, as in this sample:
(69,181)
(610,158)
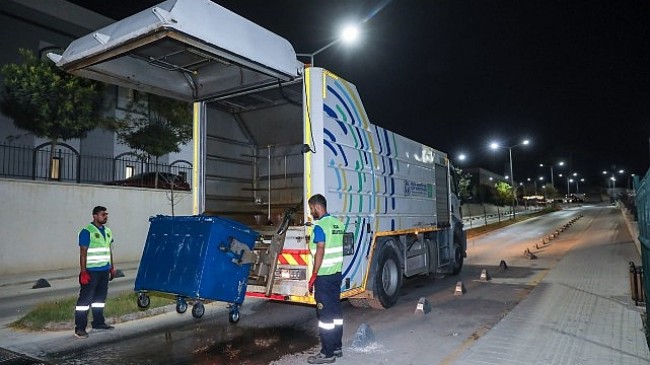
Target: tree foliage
(504,193)
(550,191)
(464,182)
(156,127)
(48,102)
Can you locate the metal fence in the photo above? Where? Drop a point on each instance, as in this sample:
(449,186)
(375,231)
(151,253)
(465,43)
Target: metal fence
(66,164)
(642,189)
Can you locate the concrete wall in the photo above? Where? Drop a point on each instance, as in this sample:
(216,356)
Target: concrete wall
(39,221)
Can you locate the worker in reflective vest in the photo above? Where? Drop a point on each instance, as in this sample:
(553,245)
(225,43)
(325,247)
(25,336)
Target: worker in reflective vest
(96,261)
(326,247)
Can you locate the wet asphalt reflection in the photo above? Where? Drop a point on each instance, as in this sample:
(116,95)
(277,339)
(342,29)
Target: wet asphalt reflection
(200,345)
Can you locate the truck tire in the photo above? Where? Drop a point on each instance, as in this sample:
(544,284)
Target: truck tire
(458,260)
(387,280)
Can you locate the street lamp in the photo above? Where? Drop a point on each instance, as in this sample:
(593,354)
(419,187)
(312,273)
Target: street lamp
(612,179)
(348,35)
(494,146)
(550,165)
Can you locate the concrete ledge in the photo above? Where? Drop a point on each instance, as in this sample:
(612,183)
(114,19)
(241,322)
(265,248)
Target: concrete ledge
(632,227)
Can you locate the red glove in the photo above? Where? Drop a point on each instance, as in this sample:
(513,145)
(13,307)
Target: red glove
(312,280)
(84,277)
(111,273)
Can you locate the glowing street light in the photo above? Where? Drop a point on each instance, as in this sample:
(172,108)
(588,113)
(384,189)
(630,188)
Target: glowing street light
(494,146)
(550,165)
(348,35)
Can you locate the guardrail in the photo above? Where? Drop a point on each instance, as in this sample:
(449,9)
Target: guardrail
(642,189)
(482,219)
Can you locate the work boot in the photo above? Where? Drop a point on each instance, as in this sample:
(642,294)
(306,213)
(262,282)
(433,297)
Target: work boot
(320,358)
(338,353)
(103,326)
(80,333)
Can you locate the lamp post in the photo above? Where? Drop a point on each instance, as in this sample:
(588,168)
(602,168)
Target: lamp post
(612,179)
(348,35)
(550,165)
(578,185)
(494,146)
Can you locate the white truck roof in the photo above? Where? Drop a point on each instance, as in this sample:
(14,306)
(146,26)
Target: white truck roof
(190,50)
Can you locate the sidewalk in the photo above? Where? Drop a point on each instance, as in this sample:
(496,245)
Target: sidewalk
(580,313)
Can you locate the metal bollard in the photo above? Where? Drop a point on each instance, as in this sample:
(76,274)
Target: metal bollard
(636,284)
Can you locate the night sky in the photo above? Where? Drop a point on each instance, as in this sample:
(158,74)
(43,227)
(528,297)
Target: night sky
(571,76)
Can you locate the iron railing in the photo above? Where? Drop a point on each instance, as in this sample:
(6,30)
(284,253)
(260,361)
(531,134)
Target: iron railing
(68,165)
(642,190)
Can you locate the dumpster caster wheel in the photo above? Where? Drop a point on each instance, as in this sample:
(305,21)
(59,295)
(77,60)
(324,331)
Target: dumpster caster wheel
(143,301)
(233,316)
(198,310)
(181,305)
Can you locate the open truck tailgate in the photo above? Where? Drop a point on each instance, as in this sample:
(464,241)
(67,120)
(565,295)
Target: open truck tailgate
(190,50)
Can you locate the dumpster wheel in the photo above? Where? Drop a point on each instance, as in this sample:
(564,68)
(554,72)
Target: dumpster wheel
(143,300)
(198,310)
(233,315)
(181,305)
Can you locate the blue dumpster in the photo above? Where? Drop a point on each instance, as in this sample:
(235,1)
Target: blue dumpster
(196,258)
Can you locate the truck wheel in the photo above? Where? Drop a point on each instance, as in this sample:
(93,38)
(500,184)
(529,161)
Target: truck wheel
(388,279)
(458,260)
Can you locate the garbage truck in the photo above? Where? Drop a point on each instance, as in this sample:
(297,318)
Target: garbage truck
(270,132)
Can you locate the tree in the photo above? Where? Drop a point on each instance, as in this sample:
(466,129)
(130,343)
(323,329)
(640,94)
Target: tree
(464,182)
(155,127)
(504,193)
(550,191)
(48,102)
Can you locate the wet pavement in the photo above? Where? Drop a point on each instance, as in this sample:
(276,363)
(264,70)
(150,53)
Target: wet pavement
(202,344)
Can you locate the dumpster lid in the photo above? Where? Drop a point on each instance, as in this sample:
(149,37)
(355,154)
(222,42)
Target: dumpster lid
(190,50)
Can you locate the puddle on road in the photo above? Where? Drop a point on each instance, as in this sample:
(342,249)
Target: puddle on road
(203,346)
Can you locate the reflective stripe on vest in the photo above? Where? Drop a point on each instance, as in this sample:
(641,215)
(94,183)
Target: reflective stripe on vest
(99,250)
(333,258)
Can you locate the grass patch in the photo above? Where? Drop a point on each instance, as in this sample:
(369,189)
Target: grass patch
(473,232)
(51,314)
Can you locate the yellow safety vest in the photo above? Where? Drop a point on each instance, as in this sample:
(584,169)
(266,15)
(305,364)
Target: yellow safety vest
(333,258)
(99,250)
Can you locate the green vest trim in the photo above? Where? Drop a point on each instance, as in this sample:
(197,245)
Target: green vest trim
(333,259)
(99,250)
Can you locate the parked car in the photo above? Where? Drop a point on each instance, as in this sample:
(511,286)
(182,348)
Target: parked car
(148,180)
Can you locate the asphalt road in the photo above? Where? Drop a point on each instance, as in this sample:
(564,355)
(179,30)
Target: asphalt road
(285,333)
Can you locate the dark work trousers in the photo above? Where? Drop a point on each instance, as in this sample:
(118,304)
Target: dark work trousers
(92,296)
(327,292)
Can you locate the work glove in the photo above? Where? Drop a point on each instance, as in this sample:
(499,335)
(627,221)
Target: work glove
(84,277)
(111,273)
(312,280)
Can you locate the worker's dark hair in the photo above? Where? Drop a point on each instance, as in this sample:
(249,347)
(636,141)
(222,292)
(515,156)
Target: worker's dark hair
(98,209)
(318,199)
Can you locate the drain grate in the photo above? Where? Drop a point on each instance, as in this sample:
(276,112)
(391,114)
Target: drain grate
(12,358)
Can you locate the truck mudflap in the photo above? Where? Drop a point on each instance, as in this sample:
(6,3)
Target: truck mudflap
(191,50)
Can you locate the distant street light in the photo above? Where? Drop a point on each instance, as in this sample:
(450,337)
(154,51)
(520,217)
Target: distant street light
(494,146)
(612,180)
(550,165)
(348,35)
